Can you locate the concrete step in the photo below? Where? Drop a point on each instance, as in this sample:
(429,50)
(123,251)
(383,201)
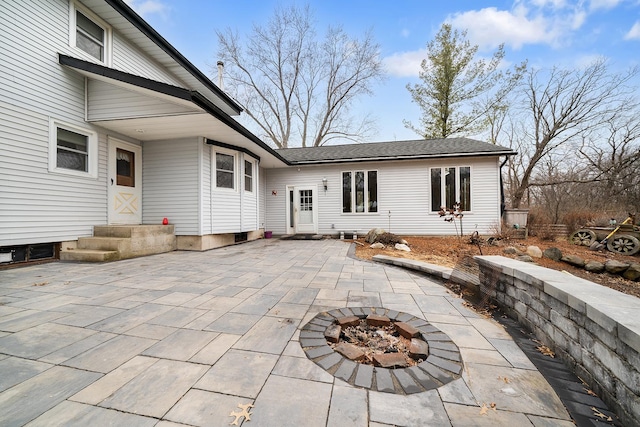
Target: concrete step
(88,255)
(118,244)
(133,231)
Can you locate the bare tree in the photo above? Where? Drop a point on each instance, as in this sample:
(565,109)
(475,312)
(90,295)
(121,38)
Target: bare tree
(299,90)
(562,108)
(459,92)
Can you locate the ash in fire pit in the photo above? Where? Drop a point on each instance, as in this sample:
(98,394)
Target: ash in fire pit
(381,349)
(378,341)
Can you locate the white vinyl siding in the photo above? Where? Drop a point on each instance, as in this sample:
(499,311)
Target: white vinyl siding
(263,193)
(205,191)
(108,102)
(38,206)
(233,210)
(403,191)
(170,174)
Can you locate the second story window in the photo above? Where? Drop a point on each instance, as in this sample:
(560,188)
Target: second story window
(89,36)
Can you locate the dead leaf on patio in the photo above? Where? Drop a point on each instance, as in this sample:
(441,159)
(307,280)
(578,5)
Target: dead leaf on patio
(40,283)
(244,413)
(485,409)
(544,349)
(505,379)
(600,415)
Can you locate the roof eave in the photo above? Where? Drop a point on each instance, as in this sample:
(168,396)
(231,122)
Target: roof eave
(128,13)
(396,158)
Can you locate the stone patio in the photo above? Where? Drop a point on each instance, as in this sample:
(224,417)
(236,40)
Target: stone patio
(183,338)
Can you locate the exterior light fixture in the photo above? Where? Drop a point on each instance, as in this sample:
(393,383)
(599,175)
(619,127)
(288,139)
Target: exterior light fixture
(324,183)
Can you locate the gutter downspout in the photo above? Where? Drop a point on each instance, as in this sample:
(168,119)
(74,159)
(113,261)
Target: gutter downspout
(502,203)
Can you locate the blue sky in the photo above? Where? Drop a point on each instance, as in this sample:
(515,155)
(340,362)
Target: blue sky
(565,33)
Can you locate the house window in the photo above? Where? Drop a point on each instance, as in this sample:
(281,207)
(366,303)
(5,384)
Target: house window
(450,185)
(88,33)
(72,150)
(248,176)
(360,192)
(224,170)
(125,168)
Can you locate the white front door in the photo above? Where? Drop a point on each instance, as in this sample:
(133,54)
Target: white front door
(125,182)
(305,210)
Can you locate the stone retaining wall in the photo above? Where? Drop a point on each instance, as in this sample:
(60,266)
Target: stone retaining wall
(594,329)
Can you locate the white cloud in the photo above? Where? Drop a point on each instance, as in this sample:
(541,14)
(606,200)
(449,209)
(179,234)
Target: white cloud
(634,32)
(603,4)
(405,64)
(145,8)
(551,22)
(490,27)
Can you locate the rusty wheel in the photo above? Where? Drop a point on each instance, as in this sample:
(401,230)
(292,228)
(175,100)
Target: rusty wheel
(583,237)
(624,244)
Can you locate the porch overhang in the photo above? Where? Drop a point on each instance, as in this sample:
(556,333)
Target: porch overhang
(149,110)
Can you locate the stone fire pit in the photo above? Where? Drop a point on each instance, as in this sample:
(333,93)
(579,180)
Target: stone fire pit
(380,349)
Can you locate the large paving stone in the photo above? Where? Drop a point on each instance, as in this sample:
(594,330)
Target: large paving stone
(156,389)
(234,323)
(526,391)
(41,340)
(111,354)
(469,416)
(14,370)
(78,414)
(268,335)
(238,372)
(181,345)
(415,410)
(29,399)
(306,403)
(131,318)
(108,384)
(213,351)
(205,408)
(302,368)
(348,407)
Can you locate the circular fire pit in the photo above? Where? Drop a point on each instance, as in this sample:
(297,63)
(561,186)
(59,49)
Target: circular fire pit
(381,349)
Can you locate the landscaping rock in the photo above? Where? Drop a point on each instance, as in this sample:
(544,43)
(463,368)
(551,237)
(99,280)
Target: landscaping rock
(401,247)
(372,235)
(573,260)
(418,349)
(525,258)
(633,272)
(510,250)
(377,245)
(594,266)
(404,242)
(390,360)
(552,253)
(347,321)
(378,320)
(350,351)
(534,252)
(407,330)
(332,333)
(615,267)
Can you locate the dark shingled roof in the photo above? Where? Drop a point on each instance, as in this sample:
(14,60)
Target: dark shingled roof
(394,150)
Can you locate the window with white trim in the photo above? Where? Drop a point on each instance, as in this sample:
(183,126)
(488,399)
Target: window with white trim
(450,185)
(360,192)
(225,170)
(73,150)
(248,176)
(89,33)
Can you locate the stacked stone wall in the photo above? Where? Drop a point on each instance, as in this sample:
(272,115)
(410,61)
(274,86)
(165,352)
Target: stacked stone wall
(594,329)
